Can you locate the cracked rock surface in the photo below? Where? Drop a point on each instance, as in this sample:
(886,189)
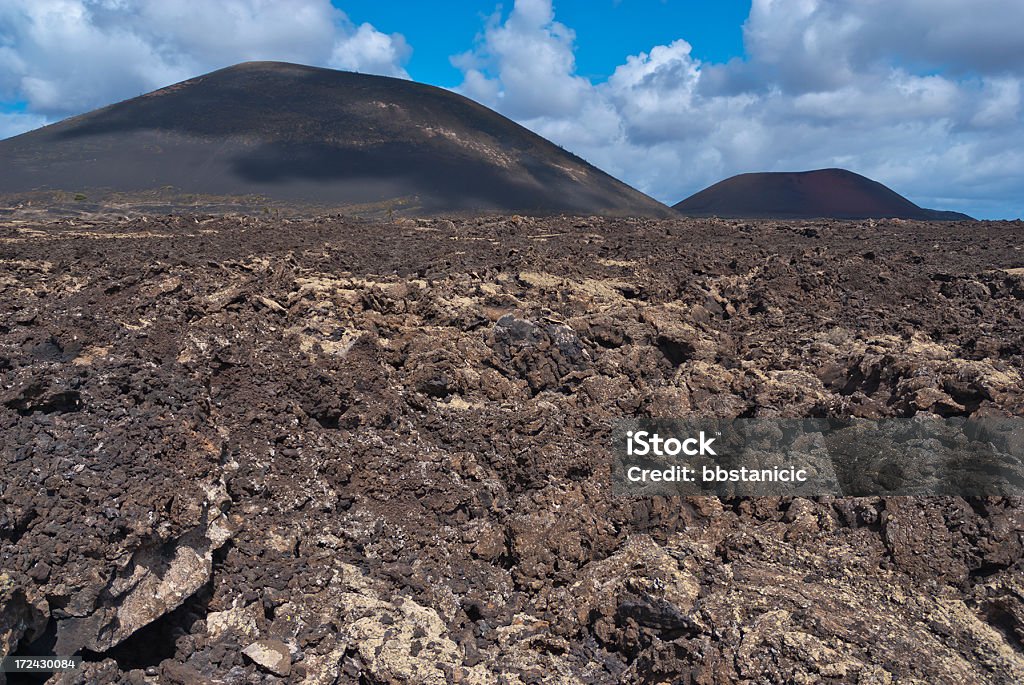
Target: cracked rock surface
(243,450)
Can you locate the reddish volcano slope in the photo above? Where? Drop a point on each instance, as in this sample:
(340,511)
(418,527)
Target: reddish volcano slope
(294,133)
(829,193)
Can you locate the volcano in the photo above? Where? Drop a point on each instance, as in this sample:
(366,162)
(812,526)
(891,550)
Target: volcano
(331,138)
(823,193)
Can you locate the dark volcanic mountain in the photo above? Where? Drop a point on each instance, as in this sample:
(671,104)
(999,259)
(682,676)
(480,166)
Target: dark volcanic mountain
(297,133)
(829,193)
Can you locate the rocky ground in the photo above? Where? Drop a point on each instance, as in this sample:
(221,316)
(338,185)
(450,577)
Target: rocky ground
(253,450)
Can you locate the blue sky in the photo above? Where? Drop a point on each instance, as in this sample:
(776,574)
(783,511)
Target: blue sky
(608,29)
(926,96)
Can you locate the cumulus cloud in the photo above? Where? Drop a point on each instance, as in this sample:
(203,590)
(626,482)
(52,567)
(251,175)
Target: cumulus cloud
(531,58)
(369,51)
(62,57)
(15,123)
(842,38)
(924,95)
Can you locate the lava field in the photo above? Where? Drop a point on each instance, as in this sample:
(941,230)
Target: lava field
(331,450)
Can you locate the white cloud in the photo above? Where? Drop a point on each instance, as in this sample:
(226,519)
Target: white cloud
(531,58)
(63,57)
(370,51)
(15,123)
(924,95)
(815,44)
(999,104)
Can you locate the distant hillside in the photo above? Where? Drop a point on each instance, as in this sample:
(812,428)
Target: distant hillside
(297,133)
(831,193)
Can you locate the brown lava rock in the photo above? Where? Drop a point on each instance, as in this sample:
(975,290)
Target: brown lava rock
(382,449)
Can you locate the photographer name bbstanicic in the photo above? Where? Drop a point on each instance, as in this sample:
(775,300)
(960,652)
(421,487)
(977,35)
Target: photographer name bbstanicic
(645,444)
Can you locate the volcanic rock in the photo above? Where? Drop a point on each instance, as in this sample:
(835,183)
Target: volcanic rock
(405,475)
(327,138)
(272,655)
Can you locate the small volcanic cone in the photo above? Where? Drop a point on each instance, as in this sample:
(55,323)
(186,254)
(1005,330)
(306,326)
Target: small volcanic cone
(824,193)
